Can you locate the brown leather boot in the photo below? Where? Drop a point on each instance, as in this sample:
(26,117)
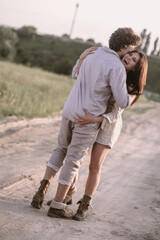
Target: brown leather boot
(40,194)
(59,210)
(69,198)
(84,204)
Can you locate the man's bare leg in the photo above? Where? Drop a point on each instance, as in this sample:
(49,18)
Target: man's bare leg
(69,197)
(61,192)
(58,207)
(49,174)
(38,198)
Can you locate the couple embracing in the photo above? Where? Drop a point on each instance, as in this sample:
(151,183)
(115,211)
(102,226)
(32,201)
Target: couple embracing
(108,81)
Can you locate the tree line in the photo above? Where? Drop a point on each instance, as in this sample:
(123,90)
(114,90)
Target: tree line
(146,38)
(50,52)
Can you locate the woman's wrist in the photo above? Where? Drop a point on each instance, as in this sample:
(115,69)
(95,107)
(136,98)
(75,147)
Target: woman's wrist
(80,63)
(98,120)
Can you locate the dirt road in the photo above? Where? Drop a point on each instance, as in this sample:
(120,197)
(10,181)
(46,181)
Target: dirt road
(126,204)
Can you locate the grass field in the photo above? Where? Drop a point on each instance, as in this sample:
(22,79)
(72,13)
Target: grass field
(31,92)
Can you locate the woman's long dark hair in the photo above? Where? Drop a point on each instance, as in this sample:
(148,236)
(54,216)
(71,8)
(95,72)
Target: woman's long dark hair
(136,80)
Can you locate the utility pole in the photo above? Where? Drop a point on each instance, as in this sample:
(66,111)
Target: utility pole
(74,18)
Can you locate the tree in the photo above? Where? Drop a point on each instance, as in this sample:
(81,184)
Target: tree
(158,53)
(145,41)
(65,37)
(26,31)
(143,36)
(79,39)
(8,41)
(90,40)
(155,46)
(143,33)
(146,46)
(99,44)
(63,66)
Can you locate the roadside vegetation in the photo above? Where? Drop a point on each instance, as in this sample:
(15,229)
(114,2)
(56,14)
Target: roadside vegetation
(31,92)
(35,70)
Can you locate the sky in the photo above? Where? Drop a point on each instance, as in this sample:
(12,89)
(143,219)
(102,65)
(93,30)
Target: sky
(95,19)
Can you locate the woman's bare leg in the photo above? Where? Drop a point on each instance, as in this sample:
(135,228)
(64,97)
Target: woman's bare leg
(98,155)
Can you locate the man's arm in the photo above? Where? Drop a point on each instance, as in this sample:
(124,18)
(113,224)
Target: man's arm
(119,88)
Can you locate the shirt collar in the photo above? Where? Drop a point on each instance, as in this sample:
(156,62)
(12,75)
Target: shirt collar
(106,49)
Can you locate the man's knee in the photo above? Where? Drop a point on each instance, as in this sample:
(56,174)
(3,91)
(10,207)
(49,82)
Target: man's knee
(73,164)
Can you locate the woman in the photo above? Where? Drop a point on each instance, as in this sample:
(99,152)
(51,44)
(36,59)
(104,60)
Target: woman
(136,66)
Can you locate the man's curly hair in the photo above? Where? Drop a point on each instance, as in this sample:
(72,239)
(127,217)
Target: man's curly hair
(122,38)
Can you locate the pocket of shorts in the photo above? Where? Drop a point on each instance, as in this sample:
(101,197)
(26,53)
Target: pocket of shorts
(106,126)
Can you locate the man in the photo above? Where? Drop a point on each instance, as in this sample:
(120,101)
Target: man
(101,74)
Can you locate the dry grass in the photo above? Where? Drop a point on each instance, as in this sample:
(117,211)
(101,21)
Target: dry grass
(31,92)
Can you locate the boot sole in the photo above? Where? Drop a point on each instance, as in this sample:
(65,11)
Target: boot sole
(78,219)
(53,215)
(57,216)
(35,205)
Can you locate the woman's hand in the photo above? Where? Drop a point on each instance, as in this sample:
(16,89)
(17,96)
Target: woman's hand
(87,119)
(85,54)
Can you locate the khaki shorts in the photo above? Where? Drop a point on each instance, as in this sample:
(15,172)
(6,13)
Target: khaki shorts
(109,135)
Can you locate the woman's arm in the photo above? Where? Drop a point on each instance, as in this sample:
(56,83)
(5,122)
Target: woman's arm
(112,114)
(78,64)
(75,70)
(113,111)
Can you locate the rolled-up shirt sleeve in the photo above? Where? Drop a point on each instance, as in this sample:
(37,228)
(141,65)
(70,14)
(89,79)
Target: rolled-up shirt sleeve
(114,114)
(111,116)
(118,86)
(75,71)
